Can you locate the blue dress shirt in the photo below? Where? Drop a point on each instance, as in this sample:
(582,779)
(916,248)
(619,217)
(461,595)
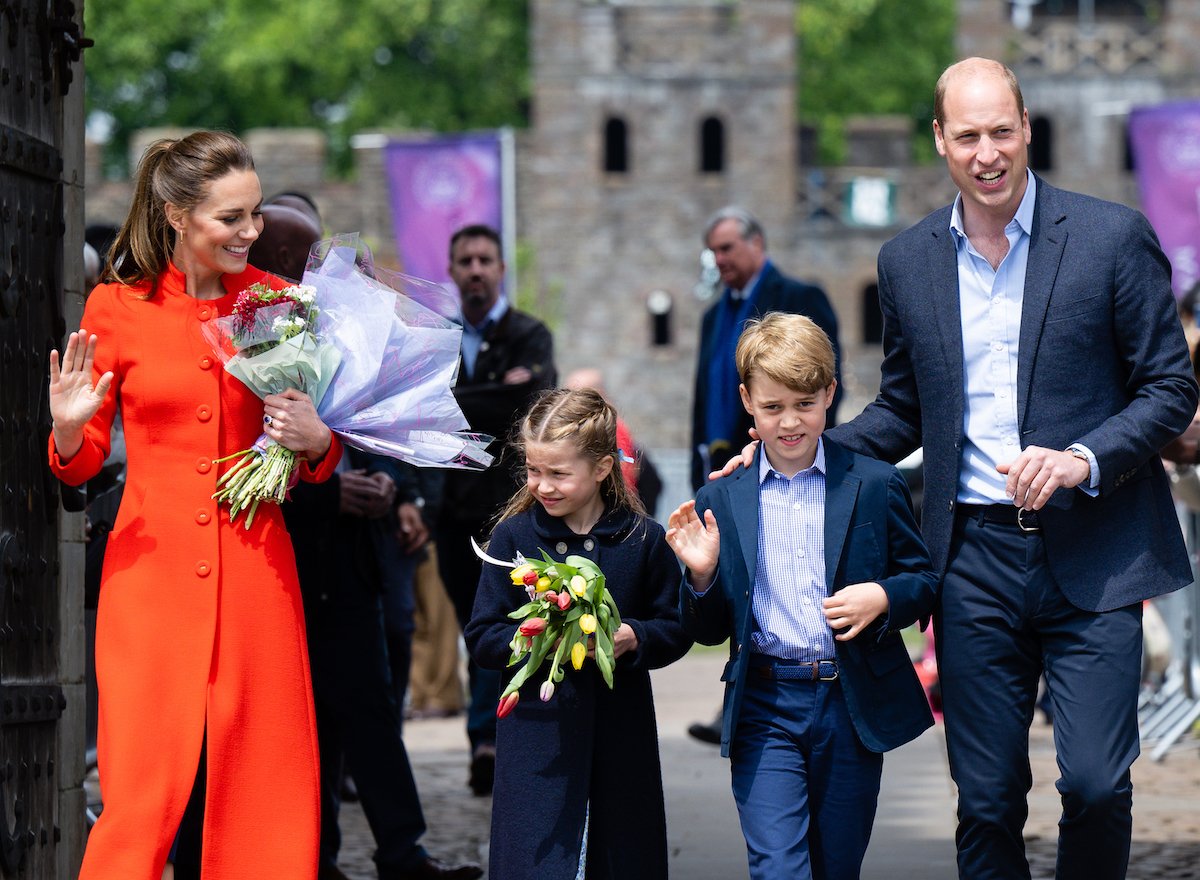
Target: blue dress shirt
(990,302)
(789,581)
(473,336)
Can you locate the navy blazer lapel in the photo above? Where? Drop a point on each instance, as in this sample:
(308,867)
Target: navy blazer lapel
(841,492)
(944,300)
(743,501)
(1047,240)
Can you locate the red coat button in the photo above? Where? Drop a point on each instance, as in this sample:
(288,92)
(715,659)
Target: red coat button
(203,568)
(203,465)
(205,313)
(203,413)
(203,516)
(206,362)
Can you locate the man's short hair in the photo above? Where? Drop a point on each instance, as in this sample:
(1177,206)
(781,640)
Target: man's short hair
(975,66)
(748,225)
(786,348)
(476,230)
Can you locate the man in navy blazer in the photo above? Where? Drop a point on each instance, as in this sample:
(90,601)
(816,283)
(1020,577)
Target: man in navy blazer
(809,562)
(752,287)
(1033,350)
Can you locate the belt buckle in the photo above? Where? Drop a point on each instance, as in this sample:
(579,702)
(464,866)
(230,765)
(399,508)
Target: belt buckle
(1021,525)
(819,677)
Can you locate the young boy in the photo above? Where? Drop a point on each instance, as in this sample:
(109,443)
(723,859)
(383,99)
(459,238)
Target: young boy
(810,563)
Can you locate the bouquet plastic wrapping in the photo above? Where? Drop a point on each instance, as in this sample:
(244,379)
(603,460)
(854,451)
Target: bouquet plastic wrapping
(376,351)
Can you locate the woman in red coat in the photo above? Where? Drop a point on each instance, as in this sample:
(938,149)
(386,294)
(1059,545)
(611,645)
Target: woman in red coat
(200,630)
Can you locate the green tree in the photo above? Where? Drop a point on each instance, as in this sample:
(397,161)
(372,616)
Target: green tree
(238,64)
(871,56)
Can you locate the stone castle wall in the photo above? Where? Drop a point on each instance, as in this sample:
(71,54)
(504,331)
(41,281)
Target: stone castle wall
(604,245)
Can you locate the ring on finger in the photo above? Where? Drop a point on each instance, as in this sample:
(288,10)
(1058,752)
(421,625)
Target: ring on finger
(268,421)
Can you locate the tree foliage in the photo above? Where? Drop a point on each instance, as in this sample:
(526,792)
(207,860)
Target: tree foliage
(442,65)
(871,56)
(239,64)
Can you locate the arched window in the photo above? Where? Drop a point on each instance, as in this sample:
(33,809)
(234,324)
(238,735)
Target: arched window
(712,146)
(616,146)
(1041,148)
(872,316)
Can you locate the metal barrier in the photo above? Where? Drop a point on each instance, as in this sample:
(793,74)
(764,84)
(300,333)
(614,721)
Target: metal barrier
(1170,708)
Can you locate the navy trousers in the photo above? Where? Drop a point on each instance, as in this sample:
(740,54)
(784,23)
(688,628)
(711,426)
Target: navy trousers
(806,788)
(1002,622)
(461,569)
(357,717)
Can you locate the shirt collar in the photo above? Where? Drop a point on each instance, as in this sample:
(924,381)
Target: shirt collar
(765,470)
(1023,218)
(750,284)
(495,313)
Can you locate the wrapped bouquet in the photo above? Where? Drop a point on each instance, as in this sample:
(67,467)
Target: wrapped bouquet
(568,605)
(376,351)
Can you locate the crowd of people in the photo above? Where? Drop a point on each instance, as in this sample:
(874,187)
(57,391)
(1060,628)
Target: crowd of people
(1032,350)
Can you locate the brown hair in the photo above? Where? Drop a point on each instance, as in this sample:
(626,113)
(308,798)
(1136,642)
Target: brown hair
(788,349)
(589,423)
(974,67)
(179,172)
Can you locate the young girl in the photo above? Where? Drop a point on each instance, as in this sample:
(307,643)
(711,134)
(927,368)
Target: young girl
(585,762)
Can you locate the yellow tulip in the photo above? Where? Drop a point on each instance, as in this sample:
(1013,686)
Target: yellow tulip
(578,653)
(518,573)
(587,623)
(543,584)
(578,585)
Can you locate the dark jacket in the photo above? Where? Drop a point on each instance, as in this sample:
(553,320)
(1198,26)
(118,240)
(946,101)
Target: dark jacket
(491,407)
(776,293)
(588,744)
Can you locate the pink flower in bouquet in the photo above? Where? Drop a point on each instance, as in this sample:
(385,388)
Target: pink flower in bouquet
(507,704)
(532,627)
(564,600)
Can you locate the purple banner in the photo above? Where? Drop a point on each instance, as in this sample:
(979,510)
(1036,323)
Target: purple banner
(438,186)
(1165,141)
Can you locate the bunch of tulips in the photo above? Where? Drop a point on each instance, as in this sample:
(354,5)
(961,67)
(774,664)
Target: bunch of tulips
(568,607)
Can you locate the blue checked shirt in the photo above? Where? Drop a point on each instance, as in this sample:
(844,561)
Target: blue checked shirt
(789,582)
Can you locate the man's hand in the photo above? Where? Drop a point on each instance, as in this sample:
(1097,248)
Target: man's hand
(412,533)
(744,460)
(1184,448)
(366,495)
(1038,473)
(517,376)
(696,542)
(855,606)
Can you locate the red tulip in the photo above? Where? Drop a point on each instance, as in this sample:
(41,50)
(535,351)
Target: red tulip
(551,597)
(507,704)
(534,626)
(564,600)
(530,578)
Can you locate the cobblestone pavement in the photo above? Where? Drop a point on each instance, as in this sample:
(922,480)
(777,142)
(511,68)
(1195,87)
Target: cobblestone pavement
(914,832)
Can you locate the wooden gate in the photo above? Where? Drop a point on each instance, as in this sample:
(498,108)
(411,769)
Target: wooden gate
(41,813)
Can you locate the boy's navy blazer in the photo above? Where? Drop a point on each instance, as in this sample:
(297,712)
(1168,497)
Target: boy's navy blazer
(870,535)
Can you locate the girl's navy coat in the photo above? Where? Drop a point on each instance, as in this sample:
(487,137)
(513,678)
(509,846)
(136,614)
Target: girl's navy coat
(588,744)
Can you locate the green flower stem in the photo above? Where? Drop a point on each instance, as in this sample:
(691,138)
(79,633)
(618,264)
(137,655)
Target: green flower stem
(254,478)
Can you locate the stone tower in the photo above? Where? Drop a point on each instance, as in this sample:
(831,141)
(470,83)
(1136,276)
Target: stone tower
(647,116)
